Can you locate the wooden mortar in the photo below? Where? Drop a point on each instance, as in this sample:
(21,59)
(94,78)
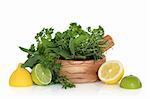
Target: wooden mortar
(84,71)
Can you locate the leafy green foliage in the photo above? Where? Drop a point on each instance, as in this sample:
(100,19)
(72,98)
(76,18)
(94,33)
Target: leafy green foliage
(80,44)
(74,43)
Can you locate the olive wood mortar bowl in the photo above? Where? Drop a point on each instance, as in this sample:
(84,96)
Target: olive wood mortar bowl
(84,71)
(81,71)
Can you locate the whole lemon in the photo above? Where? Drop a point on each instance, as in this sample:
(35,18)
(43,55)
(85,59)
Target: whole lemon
(21,77)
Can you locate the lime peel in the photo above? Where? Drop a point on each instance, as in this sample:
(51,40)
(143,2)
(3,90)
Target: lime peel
(130,82)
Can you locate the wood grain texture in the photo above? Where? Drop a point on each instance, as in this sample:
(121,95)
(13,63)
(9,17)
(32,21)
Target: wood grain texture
(81,71)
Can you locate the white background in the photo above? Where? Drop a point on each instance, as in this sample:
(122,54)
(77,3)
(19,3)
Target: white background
(127,21)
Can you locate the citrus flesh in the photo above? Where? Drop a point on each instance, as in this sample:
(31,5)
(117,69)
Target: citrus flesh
(41,75)
(111,72)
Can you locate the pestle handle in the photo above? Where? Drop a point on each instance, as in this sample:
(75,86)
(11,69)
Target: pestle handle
(110,41)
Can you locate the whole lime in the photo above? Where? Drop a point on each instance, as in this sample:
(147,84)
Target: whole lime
(130,82)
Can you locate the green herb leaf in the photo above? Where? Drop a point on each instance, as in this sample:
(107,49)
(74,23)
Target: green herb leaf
(62,53)
(71,46)
(32,61)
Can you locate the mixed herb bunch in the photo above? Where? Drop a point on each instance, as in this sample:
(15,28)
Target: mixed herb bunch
(72,44)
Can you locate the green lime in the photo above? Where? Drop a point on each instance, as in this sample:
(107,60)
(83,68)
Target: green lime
(130,82)
(41,75)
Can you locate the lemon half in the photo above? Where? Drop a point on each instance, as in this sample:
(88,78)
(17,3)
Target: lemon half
(21,77)
(111,72)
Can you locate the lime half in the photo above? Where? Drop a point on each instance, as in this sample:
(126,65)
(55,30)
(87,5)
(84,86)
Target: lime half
(41,75)
(130,82)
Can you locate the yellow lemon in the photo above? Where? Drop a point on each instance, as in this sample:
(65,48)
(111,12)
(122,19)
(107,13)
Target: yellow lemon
(21,77)
(111,72)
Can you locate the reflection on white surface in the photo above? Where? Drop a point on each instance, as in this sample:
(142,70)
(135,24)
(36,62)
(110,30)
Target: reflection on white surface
(90,89)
